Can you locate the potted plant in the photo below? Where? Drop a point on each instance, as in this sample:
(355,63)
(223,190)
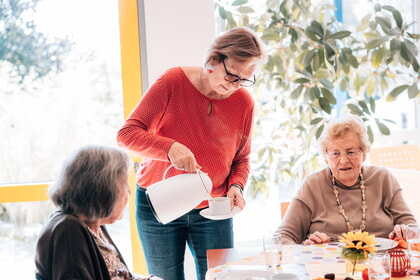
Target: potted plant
(313,62)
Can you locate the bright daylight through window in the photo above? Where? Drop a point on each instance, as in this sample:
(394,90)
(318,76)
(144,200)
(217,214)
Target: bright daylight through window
(42,119)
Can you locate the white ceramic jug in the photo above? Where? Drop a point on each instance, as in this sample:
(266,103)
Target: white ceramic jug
(175,196)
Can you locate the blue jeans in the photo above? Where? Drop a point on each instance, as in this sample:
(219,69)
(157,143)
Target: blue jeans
(164,245)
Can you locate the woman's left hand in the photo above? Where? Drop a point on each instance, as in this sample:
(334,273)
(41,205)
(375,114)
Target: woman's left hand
(317,238)
(398,233)
(236,198)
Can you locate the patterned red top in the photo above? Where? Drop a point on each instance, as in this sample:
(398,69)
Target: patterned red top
(218,132)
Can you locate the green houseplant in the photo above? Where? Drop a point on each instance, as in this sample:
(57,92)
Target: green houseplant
(313,61)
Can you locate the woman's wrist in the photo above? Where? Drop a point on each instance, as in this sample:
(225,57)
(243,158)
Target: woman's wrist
(241,190)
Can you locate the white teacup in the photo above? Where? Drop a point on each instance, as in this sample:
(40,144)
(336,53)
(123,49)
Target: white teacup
(219,205)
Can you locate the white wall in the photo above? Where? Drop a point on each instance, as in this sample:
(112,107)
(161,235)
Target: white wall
(173,33)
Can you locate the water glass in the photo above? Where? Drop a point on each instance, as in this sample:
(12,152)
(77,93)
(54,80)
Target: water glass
(379,266)
(272,250)
(413,241)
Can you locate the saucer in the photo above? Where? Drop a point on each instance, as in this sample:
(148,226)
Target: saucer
(385,244)
(207,214)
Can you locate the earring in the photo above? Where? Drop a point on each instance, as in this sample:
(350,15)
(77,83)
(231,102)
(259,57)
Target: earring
(210,69)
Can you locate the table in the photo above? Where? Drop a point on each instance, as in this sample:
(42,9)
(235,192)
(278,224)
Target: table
(315,260)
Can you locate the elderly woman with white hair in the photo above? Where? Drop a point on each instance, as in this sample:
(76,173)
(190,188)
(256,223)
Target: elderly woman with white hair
(91,191)
(346,195)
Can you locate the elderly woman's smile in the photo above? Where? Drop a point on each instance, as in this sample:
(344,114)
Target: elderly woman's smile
(345,158)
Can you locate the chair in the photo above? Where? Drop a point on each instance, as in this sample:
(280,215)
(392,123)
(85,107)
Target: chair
(283,208)
(401,157)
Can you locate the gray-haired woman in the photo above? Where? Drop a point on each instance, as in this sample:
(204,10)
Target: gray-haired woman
(346,195)
(91,191)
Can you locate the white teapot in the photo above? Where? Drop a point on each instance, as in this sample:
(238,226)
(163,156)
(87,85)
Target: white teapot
(175,196)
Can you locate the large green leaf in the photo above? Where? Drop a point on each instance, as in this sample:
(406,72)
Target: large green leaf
(316,120)
(308,57)
(239,2)
(408,50)
(296,92)
(398,18)
(413,91)
(354,109)
(374,43)
(395,45)
(397,91)
(321,74)
(327,83)
(325,105)
(319,131)
(340,34)
(382,128)
(246,10)
(384,22)
(377,57)
(271,36)
(329,96)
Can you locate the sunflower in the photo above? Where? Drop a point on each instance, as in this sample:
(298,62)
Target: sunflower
(358,245)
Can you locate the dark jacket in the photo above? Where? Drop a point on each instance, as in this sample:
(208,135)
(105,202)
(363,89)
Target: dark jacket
(67,250)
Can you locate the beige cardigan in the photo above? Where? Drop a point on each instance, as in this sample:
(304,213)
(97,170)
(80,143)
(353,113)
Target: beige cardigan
(315,209)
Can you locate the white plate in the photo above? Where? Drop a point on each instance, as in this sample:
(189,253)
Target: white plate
(385,244)
(245,275)
(207,214)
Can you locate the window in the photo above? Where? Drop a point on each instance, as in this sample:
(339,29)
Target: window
(42,121)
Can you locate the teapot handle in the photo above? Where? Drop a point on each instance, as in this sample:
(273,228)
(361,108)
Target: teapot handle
(170,166)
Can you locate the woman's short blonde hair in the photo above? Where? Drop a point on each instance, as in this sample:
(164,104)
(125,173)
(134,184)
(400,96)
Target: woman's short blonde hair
(240,44)
(341,126)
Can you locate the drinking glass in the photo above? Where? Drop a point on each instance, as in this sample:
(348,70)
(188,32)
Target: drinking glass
(413,242)
(379,266)
(272,250)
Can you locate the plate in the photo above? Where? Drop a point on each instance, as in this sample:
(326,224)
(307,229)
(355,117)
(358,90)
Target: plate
(207,214)
(246,274)
(385,244)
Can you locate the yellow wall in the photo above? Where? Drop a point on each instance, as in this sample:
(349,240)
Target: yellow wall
(132,89)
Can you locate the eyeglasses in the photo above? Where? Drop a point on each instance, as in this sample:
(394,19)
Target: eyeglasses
(351,154)
(232,78)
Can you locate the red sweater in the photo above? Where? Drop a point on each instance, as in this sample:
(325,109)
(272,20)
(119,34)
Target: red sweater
(218,132)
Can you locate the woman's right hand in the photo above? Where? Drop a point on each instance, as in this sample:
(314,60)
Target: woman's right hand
(182,158)
(317,238)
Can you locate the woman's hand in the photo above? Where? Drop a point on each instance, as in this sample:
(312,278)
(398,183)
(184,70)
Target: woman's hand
(182,158)
(398,233)
(236,198)
(317,238)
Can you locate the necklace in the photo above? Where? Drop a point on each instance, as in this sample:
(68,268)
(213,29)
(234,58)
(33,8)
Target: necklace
(363,207)
(100,237)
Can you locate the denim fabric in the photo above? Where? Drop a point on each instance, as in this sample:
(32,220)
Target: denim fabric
(164,245)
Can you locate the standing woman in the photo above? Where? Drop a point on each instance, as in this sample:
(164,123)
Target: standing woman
(195,118)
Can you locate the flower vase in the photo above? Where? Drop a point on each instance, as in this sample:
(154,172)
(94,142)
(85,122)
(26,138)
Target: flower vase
(355,267)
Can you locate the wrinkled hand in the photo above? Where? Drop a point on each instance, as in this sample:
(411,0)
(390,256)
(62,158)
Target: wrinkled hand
(182,158)
(398,233)
(317,238)
(236,198)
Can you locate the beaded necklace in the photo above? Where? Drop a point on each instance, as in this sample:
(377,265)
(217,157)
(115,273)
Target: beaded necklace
(101,235)
(341,209)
